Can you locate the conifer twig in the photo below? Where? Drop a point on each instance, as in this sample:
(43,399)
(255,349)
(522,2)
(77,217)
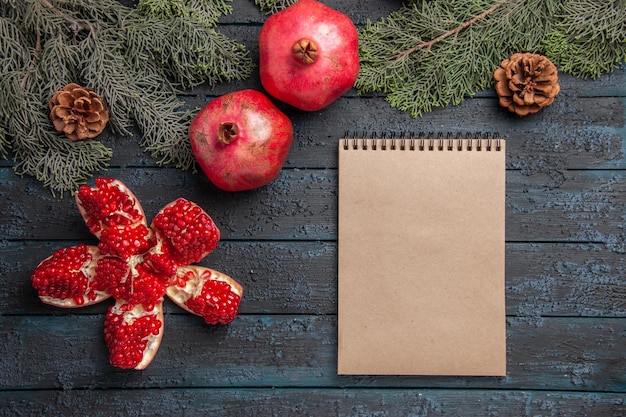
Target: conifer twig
(135,58)
(75,24)
(456,30)
(36,55)
(273,6)
(417,75)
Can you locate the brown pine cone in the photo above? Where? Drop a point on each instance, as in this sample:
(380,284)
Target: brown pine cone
(526,82)
(78,112)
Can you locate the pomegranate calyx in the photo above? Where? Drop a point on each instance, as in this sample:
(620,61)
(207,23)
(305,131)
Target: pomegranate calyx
(227,132)
(305,51)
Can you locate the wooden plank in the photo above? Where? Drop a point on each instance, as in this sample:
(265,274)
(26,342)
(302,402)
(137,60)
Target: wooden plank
(300,277)
(311,402)
(588,206)
(359,11)
(565,294)
(591,135)
(565,280)
(301,204)
(51,352)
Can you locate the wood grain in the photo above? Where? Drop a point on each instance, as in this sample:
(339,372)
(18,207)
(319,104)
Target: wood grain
(301,204)
(293,351)
(300,277)
(312,402)
(565,271)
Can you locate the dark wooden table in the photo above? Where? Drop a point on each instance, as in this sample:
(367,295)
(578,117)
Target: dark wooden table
(565,273)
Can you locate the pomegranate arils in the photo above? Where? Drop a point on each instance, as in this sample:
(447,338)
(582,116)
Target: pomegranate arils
(216,303)
(137,265)
(188,229)
(136,284)
(110,271)
(141,287)
(124,241)
(207,293)
(66,278)
(132,335)
(160,261)
(109,204)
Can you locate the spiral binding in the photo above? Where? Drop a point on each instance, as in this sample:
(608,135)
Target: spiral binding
(423,141)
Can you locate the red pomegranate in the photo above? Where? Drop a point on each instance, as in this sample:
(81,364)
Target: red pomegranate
(241,140)
(138,265)
(308,55)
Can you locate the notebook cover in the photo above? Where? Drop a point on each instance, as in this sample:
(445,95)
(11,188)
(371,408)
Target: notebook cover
(421,247)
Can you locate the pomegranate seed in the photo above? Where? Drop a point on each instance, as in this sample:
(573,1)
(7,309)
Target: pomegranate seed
(136,265)
(124,241)
(109,204)
(65,274)
(189,231)
(217,304)
(128,334)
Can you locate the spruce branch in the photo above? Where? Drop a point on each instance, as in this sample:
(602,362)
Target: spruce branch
(209,56)
(137,59)
(206,12)
(454,31)
(435,53)
(273,6)
(589,38)
(5,143)
(156,112)
(40,152)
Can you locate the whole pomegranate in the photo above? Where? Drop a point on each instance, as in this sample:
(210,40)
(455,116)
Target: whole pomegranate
(308,55)
(241,140)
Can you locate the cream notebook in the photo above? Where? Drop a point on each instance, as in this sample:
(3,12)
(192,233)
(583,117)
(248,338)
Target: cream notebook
(421,257)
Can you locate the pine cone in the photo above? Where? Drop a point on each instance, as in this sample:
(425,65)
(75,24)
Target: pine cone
(526,82)
(78,112)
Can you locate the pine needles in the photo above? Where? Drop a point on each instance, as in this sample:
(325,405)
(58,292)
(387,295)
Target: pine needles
(435,53)
(136,59)
(589,38)
(427,54)
(273,6)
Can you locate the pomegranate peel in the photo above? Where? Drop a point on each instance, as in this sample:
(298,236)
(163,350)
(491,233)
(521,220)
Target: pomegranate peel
(207,293)
(109,203)
(308,55)
(133,335)
(137,265)
(67,277)
(241,140)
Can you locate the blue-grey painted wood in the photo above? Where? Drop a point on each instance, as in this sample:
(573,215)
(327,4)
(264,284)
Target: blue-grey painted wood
(555,353)
(565,269)
(300,277)
(311,402)
(301,204)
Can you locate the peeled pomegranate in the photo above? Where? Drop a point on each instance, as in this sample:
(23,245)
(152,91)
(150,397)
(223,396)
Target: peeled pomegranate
(241,140)
(308,55)
(138,265)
